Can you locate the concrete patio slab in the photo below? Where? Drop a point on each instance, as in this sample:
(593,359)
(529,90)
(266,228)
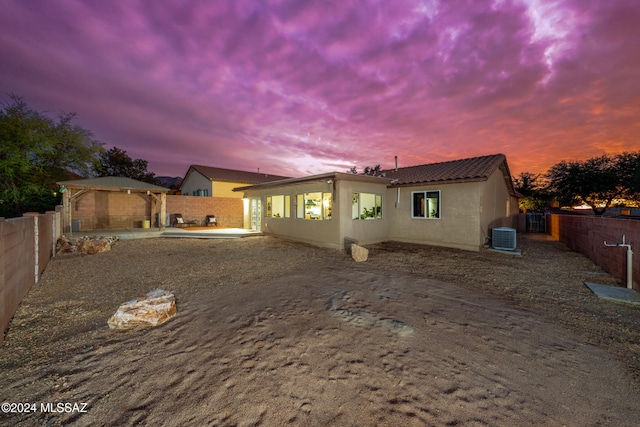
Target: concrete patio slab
(197,233)
(615,293)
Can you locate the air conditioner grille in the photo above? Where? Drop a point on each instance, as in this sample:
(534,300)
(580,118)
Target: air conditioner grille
(503,238)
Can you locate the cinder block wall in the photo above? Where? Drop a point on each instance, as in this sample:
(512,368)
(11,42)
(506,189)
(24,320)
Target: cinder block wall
(26,246)
(587,234)
(229,211)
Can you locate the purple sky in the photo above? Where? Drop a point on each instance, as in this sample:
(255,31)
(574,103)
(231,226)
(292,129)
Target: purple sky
(305,87)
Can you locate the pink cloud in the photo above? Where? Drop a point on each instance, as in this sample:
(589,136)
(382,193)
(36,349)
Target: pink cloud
(307,87)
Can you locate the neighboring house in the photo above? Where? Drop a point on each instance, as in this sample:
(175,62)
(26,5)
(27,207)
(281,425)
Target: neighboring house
(209,181)
(453,204)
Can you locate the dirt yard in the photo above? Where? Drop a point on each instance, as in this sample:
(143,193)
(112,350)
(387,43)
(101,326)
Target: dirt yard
(273,333)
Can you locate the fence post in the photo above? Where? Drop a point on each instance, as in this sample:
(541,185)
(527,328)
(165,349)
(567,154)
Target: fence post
(36,248)
(2,281)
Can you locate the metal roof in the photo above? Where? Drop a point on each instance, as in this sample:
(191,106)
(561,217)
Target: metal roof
(471,169)
(464,170)
(112,183)
(231,175)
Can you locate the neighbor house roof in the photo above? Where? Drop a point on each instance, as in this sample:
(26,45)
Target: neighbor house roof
(231,175)
(112,183)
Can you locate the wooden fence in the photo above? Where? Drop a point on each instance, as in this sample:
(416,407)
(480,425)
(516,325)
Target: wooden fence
(26,246)
(587,234)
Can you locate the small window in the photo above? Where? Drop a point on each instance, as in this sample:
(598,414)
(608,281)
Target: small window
(425,204)
(366,206)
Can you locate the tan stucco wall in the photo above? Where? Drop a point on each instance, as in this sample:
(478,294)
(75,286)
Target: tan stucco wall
(196,181)
(325,233)
(368,231)
(498,207)
(225,189)
(467,211)
(457,227)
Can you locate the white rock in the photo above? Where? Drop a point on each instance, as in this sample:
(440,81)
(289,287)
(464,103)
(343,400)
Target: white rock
(151,309)
(358,253)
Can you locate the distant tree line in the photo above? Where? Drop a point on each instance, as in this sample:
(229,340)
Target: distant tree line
(37,151)
(600,183)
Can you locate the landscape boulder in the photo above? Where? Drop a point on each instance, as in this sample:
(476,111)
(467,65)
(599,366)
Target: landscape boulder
(151,309)
(89,245)
(358,253)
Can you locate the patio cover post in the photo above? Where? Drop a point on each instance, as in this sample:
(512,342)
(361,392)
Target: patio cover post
(163,210)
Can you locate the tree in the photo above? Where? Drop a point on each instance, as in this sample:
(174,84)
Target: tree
(629,167)
(35,152)
(366,171)
(532,187)
(116,162)
(596,182)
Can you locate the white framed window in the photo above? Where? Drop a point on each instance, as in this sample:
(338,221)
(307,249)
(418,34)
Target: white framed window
(278,206)
(366,206)
(425,204)
(314,206)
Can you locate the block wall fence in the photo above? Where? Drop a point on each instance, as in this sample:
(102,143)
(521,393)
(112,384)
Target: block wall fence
(26,246)
(112,210)
(229,211)
(587,234)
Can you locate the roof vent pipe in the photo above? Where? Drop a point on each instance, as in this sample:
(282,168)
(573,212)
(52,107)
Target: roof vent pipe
(396,163)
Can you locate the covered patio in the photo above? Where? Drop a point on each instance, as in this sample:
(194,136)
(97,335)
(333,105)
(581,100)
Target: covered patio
(112,203)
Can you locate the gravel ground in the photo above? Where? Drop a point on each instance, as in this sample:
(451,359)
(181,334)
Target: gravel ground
(60,328)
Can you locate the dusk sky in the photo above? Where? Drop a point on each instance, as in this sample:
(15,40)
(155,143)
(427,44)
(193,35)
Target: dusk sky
(296,87)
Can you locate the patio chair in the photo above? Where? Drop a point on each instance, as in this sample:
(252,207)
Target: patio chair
(180,221)
(211,220)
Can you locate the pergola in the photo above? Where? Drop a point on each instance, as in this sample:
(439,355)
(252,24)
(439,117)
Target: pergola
(72,190)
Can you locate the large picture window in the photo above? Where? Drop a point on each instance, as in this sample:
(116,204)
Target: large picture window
(425,204)
(316,206)
(278,206)
(366,206)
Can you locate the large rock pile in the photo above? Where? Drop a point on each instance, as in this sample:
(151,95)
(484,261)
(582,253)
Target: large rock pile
(90,245)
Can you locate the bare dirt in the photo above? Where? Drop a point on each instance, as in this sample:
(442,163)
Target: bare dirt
(273,333)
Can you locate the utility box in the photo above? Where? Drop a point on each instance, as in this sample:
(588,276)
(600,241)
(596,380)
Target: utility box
(75,225)
(503,238)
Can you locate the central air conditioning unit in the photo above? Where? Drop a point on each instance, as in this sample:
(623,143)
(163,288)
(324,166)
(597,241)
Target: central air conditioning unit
(503,238)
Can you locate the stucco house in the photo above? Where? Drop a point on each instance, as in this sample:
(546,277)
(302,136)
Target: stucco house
(452,204)
(207,181)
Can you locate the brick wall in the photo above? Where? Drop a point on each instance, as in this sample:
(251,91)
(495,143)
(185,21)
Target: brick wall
(113,210)
(105,209)
(229,211)
(587,234)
